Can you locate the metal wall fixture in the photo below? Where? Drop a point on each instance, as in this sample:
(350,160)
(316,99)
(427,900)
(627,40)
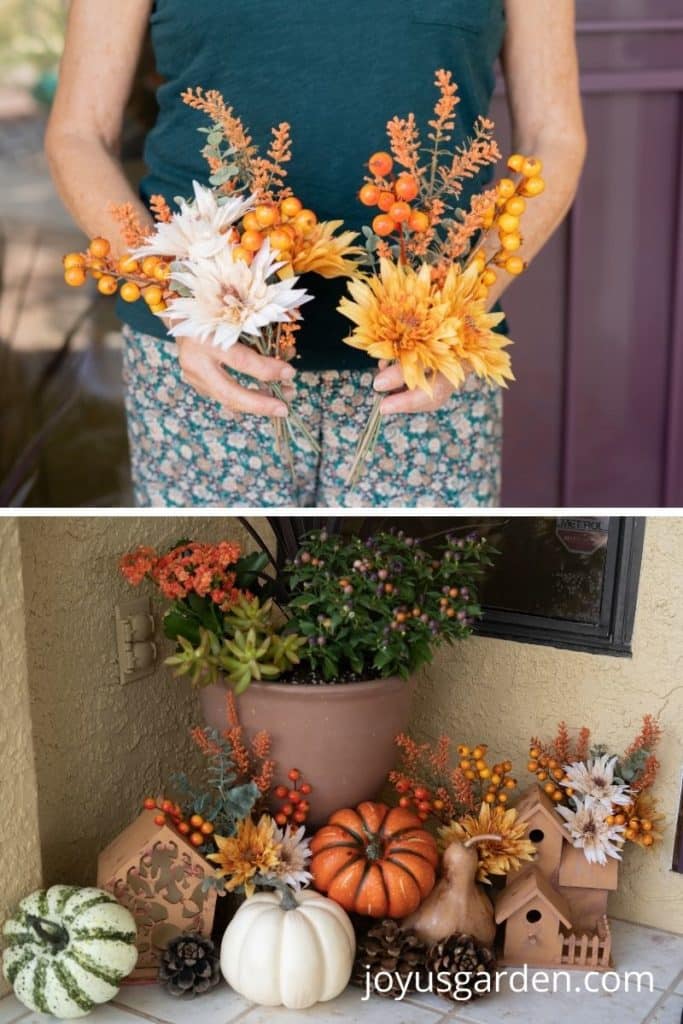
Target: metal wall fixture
(135,629)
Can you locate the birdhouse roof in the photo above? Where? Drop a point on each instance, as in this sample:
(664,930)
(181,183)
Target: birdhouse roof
(534,801)
(130,844)
(530,887)
(576,872)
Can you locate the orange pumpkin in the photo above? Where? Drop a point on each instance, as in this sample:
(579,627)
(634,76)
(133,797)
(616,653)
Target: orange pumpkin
(376,860)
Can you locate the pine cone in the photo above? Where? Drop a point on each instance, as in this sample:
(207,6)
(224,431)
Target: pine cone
(387,948)
(189,966)
(458,955)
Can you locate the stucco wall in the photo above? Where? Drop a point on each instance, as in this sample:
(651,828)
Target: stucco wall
(20,843)
(100,746)
(500,692)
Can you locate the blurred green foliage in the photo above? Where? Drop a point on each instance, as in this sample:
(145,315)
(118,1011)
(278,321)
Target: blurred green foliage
(31,35)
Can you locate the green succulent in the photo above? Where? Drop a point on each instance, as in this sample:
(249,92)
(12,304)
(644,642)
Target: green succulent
(285,650)
(200,663)
(247,656)
(249,613)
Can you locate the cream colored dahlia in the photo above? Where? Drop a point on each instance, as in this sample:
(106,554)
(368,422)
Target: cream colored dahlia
(595,778)
(224,298)
(591,832)
(293,858)
(199,230)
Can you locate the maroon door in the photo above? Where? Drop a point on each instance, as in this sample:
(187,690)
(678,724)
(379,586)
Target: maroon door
(596,415)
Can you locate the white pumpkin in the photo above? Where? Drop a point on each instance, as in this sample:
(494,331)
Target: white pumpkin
(295,957)
(68,949)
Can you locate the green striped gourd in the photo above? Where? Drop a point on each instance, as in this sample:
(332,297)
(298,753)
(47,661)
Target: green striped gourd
(67,949)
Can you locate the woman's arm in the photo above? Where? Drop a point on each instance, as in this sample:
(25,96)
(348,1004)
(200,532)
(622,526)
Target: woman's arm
(541,73)
(82,146)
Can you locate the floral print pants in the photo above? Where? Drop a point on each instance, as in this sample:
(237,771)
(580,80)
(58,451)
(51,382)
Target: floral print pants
(187,451)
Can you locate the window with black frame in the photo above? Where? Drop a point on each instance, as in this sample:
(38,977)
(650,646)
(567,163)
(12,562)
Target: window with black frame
(568,582)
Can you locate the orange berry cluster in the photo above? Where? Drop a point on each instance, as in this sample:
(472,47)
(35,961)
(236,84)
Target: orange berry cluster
(638,830)
(196,829)
(418,798)
(137,279)
(284,224)
(496,778)
(507,214)
(295,806)
(550,773)
(393,196)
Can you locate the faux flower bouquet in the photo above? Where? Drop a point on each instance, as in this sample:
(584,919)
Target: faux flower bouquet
(222,267)
(603,798)
(425,307)
(225,815)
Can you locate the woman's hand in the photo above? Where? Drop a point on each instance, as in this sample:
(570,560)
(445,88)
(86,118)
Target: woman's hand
(203,368)
(390,378)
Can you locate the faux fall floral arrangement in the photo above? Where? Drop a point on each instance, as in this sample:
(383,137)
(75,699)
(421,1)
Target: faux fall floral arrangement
(426,305)
(226,815)
(223,266)
(463,798)
(603,798)
(354,608)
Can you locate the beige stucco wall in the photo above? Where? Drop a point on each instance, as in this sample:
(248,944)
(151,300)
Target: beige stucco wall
(500,692)
(101,746)
(20,842)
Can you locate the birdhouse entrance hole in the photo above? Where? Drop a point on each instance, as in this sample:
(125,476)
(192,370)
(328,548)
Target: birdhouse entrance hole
(533,916)
(537,835)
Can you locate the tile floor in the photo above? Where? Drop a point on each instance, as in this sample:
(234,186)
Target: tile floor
(635,948)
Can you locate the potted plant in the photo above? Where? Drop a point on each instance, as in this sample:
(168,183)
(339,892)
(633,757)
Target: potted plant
(323,654)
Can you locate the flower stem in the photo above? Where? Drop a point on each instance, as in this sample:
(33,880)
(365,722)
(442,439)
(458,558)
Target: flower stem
(367,443)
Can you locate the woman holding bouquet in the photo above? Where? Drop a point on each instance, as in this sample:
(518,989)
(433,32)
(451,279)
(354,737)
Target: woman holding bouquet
(199,424)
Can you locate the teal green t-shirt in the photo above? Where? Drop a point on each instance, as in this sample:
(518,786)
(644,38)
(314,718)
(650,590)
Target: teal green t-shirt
(337,71)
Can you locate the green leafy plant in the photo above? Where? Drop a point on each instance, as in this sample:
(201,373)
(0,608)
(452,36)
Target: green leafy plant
(381,606)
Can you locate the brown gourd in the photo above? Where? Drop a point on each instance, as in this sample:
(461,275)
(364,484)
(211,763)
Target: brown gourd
(457,904)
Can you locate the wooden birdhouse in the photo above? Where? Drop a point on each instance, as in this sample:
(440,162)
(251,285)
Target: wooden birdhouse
(586,887)
(533,913)
(158,876)
(544,829)
(555,911)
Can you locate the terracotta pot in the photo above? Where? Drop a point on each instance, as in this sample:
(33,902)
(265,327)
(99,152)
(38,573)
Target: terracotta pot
(340,737)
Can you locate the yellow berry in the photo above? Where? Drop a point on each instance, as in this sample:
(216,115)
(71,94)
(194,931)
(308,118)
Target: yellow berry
(502,798)
(533,187)
(489,277)
(506,188)
(648,840)
(531,167)
(490,798)
(511,242)
(510,783)
(515,206)
(240,253)
(250,221)
(99,247)
(128,265)
(162,272)
(153,295)
(74,277)
(515,265)
(73,259)
(469,774)
(508,223)
(516,162)
(149,265)
(107,285)
(159,308)
(463,751)
(484,773)
(130,292)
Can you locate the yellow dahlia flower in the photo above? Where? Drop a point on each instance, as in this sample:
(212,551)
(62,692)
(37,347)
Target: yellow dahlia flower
(324,253)
(253,850)
(496,857)
(400,316)
(476,342)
